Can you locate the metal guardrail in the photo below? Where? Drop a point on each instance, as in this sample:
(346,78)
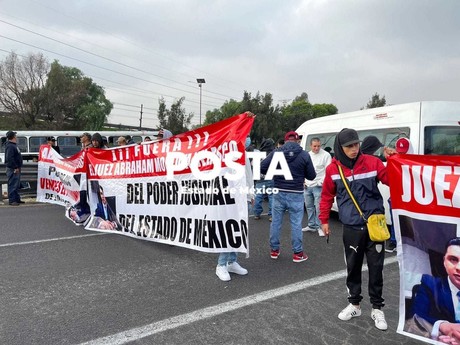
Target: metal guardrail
(29,172)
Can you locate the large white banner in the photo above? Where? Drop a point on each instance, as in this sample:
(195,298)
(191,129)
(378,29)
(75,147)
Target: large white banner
(425,197)
(188,190)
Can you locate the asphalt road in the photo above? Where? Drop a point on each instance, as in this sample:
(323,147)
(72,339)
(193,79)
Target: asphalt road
(61,284)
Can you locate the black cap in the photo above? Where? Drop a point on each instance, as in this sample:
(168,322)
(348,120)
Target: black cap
(50,139)
(370,144)
(348,136)
(10,135)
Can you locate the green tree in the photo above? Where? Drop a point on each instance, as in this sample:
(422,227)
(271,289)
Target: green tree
(376,101)
(268,117)
(74,101)
(38,95)
(175,119)
(301,110)
(228,109)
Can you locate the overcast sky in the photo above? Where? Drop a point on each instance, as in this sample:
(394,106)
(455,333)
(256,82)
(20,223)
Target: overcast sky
(337,51)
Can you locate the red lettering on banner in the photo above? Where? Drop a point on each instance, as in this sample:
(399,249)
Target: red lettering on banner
(57,186)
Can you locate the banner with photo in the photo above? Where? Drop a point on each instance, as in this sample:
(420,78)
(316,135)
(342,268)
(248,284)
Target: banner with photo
(425,198)
(188,190)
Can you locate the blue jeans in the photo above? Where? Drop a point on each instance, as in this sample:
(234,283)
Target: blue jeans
(293,203)
(259,197)
(312,199)
(225,258)
(14,182)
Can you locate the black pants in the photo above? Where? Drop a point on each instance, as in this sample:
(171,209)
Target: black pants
(357,243)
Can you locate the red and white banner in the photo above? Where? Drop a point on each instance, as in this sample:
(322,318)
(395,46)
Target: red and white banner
(188,190)
(425,198)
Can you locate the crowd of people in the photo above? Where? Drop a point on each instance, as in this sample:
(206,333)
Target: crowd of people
(315,182)
(14,161)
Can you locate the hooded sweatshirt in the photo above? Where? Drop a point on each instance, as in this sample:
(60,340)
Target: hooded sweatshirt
(97,137)
(13,157)
(299,163)
(362,174)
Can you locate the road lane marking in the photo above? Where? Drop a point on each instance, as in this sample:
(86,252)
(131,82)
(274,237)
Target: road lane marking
(49,240)
(205,313)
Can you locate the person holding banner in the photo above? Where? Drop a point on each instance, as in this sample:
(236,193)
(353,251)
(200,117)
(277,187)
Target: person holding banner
(362,174)
(436,304)
(227,262)
(85,140)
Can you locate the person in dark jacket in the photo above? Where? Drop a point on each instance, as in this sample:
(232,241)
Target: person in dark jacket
(362,173)
(264,186)
(13,161)
(296,165)
(97,142)
(52,142)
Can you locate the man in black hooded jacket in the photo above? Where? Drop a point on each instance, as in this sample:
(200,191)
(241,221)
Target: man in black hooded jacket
(362,174)
(13,160)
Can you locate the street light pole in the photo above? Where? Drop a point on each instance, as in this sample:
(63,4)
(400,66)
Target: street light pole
(200,82)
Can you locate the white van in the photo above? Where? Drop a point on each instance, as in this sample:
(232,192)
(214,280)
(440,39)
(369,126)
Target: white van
(430,127)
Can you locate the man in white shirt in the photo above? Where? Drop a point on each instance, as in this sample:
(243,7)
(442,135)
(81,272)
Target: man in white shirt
(312,193)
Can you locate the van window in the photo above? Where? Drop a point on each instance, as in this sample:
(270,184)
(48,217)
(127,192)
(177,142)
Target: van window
(137,138)
(21,142)
(442,140)
(68,146)
(36,142)
(387,136)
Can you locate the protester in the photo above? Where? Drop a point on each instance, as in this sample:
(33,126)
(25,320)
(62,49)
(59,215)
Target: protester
(121,141)
(290,194)
(13,162)
(362,173)
(263,186)
(279,143)
(85,140)
(370,145)
(52,142)
(129,140)
(227,262)
(321,159)
(147,139)
(164,134)
(436,303)
(97,142)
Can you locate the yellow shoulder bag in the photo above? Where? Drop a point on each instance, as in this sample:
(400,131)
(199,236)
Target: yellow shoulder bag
(376,223)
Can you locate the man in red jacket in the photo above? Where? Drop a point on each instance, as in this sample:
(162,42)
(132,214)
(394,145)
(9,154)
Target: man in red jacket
(362,173)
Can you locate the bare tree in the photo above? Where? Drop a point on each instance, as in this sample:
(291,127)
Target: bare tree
(21,85)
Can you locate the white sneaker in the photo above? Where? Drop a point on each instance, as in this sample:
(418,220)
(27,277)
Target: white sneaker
(222,273)
(307,228)
(349,312)
(379,318)
(321,233)
(235,267)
